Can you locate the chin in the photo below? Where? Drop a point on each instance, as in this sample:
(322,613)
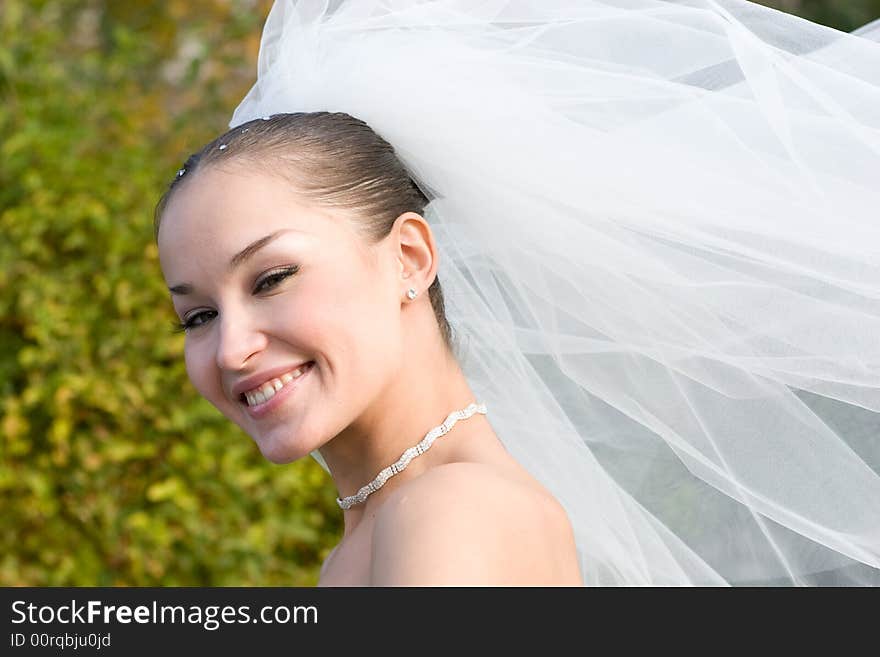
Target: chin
(280,452)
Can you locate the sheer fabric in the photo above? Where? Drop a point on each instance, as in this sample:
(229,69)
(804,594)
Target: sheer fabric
(659,235)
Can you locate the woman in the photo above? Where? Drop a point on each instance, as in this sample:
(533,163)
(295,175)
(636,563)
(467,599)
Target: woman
(655,223)
(308,289)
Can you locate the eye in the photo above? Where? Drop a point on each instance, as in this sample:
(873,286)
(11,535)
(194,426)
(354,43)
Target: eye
(267,282)
(272,279)
(196,319)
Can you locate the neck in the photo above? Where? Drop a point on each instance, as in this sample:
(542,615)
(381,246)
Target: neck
(408,408)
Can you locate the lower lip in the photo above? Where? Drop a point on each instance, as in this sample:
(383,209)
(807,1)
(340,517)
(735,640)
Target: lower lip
(261,410)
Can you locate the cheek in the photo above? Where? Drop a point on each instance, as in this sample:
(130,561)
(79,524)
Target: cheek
(199,368)
(356,320)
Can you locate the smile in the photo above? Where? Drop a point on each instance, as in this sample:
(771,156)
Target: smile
(265,392)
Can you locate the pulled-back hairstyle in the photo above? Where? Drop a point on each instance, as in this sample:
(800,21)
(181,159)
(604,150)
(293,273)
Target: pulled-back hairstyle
(333,160)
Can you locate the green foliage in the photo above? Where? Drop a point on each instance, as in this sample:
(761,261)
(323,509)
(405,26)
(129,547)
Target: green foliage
(845,15)
(114,470)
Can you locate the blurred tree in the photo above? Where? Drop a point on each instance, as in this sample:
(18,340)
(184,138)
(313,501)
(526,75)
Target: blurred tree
(842,15)
(114,470)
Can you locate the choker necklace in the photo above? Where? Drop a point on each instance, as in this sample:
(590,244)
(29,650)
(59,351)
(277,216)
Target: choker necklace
(398,466)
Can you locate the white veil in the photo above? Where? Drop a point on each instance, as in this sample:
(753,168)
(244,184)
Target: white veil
(659,234)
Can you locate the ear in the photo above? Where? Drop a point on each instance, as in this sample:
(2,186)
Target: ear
(416,252)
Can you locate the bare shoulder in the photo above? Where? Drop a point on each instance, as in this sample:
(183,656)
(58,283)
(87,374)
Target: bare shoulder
(472,524)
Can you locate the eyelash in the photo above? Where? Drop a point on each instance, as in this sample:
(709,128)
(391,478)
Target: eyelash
(275,277)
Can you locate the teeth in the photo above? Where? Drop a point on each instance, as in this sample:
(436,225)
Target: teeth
(266,391)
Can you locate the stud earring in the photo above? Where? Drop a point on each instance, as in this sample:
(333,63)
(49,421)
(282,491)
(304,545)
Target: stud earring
(411,293)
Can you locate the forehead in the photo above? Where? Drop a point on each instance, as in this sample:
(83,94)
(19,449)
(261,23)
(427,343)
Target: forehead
(218,210)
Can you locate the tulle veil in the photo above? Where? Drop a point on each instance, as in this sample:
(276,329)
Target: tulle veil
(659,236)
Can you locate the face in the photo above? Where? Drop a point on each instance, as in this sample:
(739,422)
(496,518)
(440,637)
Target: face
(316,295)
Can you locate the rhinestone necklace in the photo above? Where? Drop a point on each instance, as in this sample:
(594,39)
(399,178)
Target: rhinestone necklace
(416,450)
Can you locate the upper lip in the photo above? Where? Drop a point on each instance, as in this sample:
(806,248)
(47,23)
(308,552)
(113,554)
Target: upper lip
(256,380)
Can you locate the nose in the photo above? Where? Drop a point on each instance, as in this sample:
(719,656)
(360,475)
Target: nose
(239,340)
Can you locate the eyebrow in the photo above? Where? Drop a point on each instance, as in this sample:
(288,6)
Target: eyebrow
(238,258)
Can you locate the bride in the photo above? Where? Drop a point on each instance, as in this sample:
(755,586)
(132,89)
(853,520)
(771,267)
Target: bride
(654,358)
(307,285)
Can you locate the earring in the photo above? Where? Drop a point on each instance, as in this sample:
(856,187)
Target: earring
(411,293)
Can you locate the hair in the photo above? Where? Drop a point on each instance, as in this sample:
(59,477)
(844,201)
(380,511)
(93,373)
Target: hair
(333,160)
